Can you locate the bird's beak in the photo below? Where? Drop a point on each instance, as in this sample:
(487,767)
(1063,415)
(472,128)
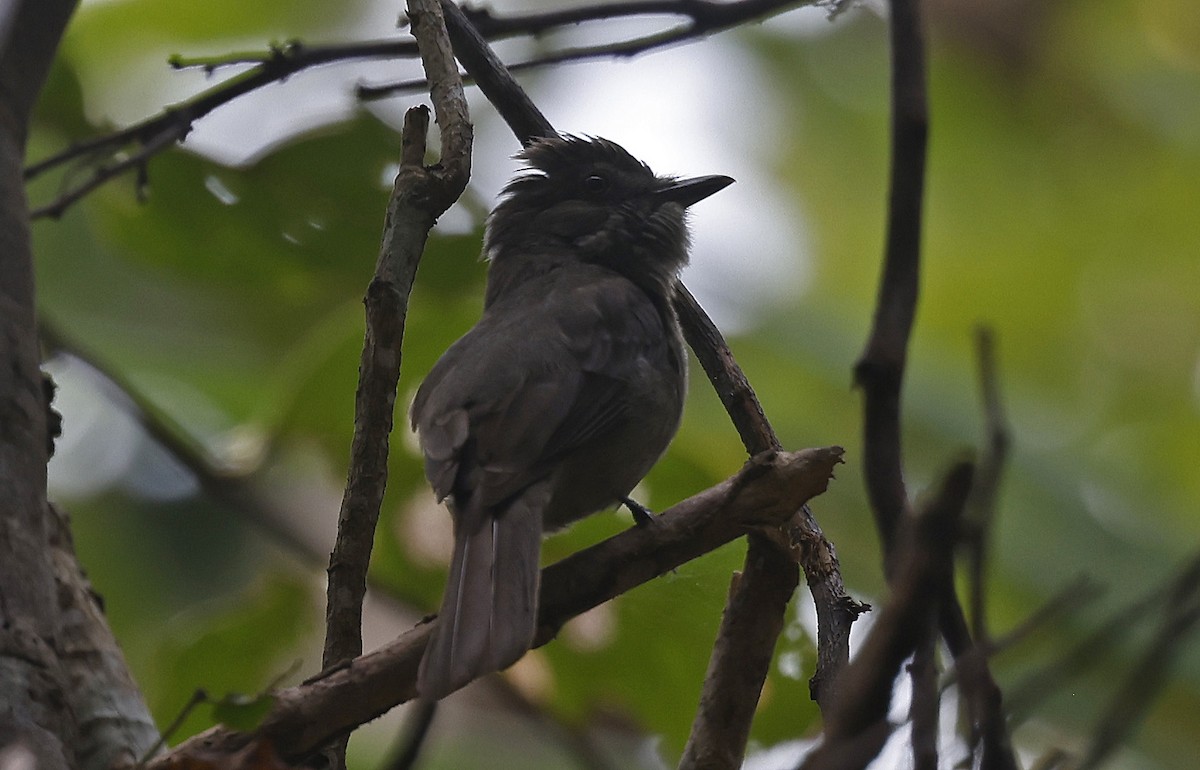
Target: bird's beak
(685,192)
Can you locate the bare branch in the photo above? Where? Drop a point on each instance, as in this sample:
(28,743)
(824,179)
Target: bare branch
(769,569)
(725,375)
(880,369)
(419,196)
(923,565)
(741,658)
(506,95)
(836,610)
(923,710)
(278,63)
(767,490)
(989,727)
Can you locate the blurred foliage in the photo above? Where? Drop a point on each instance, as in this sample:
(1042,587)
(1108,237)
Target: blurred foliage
(1062,197)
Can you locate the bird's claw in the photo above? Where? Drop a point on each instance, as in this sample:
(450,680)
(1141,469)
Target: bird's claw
(642,516)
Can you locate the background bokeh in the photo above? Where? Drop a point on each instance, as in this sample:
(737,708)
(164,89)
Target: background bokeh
(1062,201)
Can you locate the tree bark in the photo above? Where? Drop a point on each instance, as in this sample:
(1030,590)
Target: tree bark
(65,695)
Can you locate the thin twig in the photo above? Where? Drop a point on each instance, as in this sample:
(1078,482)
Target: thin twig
(1027,694)
(981,508)
(708,18)
(989,729)
(1180,621)
(278,63)
(1078,592)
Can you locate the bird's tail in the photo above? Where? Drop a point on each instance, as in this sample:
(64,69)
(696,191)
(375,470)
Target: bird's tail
(489,612)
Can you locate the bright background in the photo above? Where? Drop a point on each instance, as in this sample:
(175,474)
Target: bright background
(1064,186)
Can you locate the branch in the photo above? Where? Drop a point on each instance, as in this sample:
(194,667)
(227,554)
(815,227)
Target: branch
(754,613)
(155,134)
(703,19)
(67,697)
(502,90)
(981,508)
(741,658)
(923,710)
(420,195)
(857,724)
(836,609)
(1181,619)
(880,369)
(985,703)
(767,490)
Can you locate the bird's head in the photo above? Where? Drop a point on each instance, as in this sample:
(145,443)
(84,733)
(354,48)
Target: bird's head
(588,199)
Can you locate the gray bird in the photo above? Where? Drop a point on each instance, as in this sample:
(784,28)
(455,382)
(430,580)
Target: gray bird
(563,395)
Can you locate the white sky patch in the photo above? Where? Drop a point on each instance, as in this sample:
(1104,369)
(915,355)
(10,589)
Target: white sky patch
(102,445)
(691,111)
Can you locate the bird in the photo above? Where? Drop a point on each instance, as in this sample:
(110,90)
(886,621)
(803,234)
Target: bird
(563,395)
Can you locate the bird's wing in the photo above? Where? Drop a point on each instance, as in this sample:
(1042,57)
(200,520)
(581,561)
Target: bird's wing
(538,376)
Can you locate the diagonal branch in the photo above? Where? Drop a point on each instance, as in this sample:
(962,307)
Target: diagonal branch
(1133,700)
(766,491)
(502,90)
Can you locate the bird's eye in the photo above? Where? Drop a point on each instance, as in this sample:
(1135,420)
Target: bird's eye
(595,183)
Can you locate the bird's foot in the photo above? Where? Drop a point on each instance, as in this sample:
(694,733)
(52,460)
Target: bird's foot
(642,516)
